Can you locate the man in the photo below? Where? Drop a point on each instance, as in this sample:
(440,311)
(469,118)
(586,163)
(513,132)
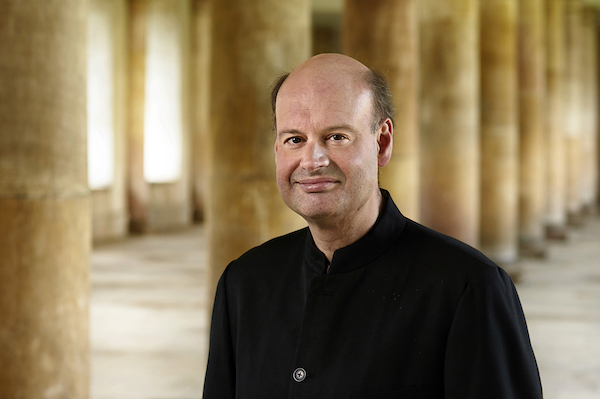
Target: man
(363,303)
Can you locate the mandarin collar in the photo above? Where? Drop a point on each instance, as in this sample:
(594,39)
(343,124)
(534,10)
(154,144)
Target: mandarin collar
(385,231)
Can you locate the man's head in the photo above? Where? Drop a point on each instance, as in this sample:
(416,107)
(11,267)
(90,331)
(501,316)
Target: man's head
(383,104)
(331,137)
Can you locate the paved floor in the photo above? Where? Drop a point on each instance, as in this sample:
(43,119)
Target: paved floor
(149,322)
(561,301)
(148,318)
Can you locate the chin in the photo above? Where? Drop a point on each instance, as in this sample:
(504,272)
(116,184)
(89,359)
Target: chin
(313,206)
(315,213)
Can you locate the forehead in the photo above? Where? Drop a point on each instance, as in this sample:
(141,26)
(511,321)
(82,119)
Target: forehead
(320,100)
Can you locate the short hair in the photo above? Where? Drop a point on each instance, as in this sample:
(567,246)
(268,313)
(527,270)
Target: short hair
(274,92)
(382,100)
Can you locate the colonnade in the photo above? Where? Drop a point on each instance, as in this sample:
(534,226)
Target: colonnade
(496,140)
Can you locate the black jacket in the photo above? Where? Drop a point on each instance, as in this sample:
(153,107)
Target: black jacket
(404,312)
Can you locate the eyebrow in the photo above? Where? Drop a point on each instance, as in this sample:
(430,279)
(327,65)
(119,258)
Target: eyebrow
(289,131)
(327,129)
(340,127)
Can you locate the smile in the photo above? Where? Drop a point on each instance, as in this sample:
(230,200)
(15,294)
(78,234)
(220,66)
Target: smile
(316,185)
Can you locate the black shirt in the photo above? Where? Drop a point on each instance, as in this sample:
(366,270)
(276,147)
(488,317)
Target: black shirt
(404,312)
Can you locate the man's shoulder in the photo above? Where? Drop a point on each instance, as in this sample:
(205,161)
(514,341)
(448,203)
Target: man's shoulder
(278,246)
(439,249)
(272,253)
(438,260)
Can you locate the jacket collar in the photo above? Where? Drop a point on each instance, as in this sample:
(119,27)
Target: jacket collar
(385,231)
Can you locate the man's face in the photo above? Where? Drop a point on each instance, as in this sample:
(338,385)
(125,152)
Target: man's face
(326,152)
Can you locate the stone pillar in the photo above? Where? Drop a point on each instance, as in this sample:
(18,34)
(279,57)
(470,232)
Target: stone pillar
(595,93)
(202,27)
(532,74)
(573,89)
(499,130)
(382,34)
(325,39)
(326,30)
(138,190)
(44,201)
(450,147)
(555,142)
(596,44)
(589,109)
(256,42)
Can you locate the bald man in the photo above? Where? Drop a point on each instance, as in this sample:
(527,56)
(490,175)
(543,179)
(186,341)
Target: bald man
(363,303)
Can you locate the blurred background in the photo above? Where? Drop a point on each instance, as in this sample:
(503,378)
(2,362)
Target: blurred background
(136,161)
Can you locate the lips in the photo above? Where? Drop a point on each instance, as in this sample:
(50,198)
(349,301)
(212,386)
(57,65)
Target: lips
(317,184)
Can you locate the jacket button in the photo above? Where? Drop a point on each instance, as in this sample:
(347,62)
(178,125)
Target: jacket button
(299,374)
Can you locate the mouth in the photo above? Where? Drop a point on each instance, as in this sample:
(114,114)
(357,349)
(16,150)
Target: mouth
(317,184)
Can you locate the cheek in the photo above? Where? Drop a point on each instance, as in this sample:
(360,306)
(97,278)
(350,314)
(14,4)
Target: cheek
(363,171)
(362,161)
(283,169)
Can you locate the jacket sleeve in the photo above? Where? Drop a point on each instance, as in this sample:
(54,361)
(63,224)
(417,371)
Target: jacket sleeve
(488,353)
(219,382)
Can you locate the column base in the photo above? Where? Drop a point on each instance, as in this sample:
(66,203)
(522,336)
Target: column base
(501,257)
(198,215)
(137,226)
(575,218)
(532,248)
(589,210)
(557,232)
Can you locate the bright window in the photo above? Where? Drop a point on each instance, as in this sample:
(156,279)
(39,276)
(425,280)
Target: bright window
(100,98)
(162,111)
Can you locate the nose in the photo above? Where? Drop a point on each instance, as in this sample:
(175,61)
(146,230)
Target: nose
(314,157)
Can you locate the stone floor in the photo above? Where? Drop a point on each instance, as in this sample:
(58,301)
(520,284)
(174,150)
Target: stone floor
(148,317)
(149,321)
(561,301)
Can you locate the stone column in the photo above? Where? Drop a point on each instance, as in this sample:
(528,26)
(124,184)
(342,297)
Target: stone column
(325,38)
(450,147)
(589,110)
(138,190)
(595,95)
(202,27)
(499,130)
(382,34)
(573,89)
(256,42)
(532,74)
(44,201)
(555,142)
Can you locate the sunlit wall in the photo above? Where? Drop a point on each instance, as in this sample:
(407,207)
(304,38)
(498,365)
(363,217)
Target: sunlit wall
(100,98)
(162,111)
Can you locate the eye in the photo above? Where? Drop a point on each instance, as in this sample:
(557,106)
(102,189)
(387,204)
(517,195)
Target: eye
(293,140)
(337,137)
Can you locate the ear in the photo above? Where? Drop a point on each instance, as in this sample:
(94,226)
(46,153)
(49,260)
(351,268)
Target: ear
(385,142)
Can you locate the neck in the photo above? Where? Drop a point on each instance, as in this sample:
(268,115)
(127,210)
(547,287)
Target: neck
(331,234)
